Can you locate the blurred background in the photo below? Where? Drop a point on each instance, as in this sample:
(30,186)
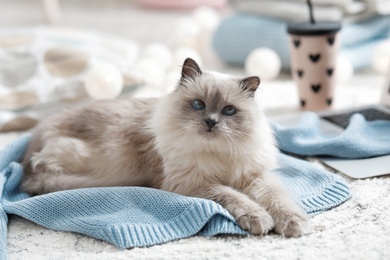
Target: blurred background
(56,53)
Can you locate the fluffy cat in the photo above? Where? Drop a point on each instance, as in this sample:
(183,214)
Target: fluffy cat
(208,139)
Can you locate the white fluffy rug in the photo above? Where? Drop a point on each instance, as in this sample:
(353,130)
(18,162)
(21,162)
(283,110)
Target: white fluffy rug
(357,229)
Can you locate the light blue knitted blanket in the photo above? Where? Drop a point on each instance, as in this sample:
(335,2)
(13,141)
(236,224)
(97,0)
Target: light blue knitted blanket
(134,216)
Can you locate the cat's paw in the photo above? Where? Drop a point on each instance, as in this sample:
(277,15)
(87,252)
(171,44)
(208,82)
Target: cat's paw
(256,222)
(292,224)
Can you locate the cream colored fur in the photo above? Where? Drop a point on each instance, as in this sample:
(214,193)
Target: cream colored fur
(167,144)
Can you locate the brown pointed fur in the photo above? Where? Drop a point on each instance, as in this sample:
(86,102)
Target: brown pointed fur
(167,144)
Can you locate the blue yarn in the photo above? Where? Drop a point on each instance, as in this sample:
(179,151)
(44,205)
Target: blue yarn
(358,33)
(134,216)
(239,34)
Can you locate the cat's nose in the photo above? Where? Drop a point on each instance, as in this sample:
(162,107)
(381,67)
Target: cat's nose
(211,122)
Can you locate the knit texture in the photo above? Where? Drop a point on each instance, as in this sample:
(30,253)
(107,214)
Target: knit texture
(133,216)
(361,139)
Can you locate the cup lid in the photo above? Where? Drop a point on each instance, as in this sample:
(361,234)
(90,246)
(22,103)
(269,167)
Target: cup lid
(317,28)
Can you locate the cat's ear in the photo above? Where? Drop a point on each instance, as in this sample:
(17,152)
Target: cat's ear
(190,70)
(250,84)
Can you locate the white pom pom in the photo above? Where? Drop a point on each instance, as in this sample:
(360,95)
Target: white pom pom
(172,79)
(6,116)
(187,32)
(206,17)
(132,51)
(153,73)
(344,69)
(158,52)
(103,81)
(263,62)
(381,57)
(183,53)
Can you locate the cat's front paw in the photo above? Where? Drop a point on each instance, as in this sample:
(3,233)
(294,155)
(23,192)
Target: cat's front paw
(256,222)
(292,224)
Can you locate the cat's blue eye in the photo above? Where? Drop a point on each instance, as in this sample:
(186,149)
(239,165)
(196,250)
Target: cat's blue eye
(229,110)
(198,104)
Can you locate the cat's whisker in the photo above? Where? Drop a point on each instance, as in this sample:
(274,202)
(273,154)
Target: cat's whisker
(178,131)
(236,148)
(241,135)
(230,147)
(227,135)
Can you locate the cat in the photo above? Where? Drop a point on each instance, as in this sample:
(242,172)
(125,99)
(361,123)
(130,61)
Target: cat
(208,138)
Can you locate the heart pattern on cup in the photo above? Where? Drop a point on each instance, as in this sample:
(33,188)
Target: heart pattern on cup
(331,40)
(316,87)
(312,70)
(297,43)
(315,57)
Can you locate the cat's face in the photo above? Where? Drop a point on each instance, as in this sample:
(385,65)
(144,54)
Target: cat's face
(214,106)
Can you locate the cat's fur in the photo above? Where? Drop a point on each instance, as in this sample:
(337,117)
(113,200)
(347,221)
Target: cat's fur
(169,145)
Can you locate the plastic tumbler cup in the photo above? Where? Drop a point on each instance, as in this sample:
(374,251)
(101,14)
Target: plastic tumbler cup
(313,49)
